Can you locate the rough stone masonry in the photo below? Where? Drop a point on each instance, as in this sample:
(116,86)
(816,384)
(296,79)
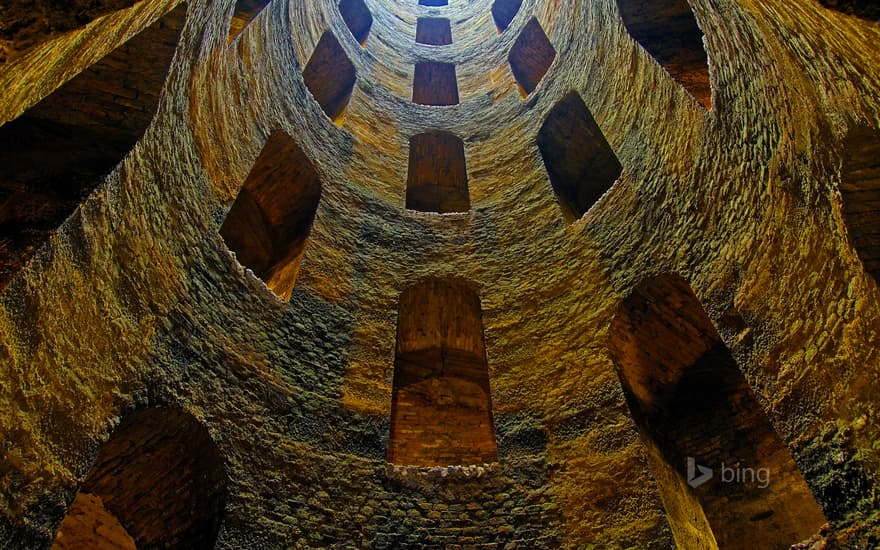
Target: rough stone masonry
(731,259)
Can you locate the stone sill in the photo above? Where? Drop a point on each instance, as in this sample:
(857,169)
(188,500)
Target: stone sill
(417,473)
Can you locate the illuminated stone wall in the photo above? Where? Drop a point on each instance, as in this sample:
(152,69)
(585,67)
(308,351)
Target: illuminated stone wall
(136,302)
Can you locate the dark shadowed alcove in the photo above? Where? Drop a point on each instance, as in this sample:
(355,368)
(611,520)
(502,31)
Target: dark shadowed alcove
(43,20)
(866,9)
(244,12)
(433,31)
(330,76)
(860,190)
(503,12)
(668,30)
(690,401)
(56,153)
(158,482)
(437,178)
(270,220)
(357,18)
(434,2)
(531,57)
(579,161)
(441,412)
(434,83)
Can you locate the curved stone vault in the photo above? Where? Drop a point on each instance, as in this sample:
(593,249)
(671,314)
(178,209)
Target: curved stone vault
(439,274)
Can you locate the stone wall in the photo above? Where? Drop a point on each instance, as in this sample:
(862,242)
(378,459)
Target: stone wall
(136,301)
(695,411)
(60,149)
(27,24)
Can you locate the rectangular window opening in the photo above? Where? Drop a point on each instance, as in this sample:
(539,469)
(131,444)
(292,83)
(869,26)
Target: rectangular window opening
(435,83)
(669,32)
(580,163)
(271,218)
(433,31)
(57,152)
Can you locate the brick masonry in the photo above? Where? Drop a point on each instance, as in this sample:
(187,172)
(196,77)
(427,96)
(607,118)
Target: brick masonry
(136,301)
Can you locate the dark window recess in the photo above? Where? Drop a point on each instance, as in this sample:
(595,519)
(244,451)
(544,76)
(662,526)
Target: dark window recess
(860,190)
(433,31)
(503,12)
(866,9)
(531,56)
(433,2)
(245,12)
(690,401)
(441,411)
(435,84)
(270,220)
(580,163)
(358,18)
(38,21)
(57,152)
(330,77)
(668,30)
(159,482)
(437,180)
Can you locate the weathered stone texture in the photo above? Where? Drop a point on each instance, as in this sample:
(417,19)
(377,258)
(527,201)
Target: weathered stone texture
(60,149)
(25,24)
(136,301)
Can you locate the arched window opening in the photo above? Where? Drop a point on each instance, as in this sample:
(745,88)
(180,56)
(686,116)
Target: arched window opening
(245,12)
(865,9)
(503,12)
(580,163)
(159,482)
(668,30)
(441,411)
(860,191)
(531,57)
(357,18)
(271,218)
(437,179)
(330,77)
(23,29)
(725,477)
(56,153)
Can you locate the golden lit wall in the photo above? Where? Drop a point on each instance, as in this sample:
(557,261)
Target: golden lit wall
(136,302)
